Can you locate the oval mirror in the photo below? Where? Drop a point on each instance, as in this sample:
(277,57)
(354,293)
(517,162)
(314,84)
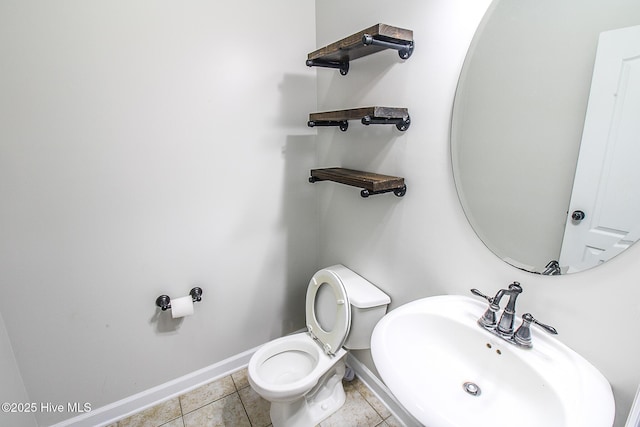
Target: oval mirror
(550,94)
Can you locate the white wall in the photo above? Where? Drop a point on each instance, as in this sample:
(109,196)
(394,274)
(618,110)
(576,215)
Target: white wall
(148,146)
(422,245)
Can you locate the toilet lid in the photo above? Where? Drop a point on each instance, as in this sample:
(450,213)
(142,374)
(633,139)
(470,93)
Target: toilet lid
(330,286)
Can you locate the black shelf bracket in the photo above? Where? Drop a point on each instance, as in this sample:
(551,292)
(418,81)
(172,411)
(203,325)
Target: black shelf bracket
(343,66)
(405,49)
(343,124)
(399,192)
(402,124)
(366,115)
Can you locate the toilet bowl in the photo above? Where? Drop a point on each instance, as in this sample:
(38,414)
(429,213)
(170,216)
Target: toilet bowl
(301,374)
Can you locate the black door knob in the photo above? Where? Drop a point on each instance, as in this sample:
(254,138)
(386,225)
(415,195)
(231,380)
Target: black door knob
(577,215)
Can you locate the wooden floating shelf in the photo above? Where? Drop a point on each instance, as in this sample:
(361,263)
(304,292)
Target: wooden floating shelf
(371,183)
(367,115)
(366,42)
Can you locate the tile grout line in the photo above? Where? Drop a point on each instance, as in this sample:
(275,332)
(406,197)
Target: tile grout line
(372,407)
(181,412)
(245,409)
(235,384)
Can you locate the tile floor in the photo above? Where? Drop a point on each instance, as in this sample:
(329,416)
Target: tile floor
(231,402)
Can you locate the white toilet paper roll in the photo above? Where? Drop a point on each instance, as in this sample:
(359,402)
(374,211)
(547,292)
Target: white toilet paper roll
(181,307)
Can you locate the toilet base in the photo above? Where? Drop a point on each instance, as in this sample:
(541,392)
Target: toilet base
(323,400)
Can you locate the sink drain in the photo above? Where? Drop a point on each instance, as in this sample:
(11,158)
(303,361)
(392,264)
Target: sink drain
(471,388)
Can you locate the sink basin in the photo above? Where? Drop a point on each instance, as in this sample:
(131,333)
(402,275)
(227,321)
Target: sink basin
(449,372)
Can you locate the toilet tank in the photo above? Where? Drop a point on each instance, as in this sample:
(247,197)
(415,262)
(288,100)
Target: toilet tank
(368,306)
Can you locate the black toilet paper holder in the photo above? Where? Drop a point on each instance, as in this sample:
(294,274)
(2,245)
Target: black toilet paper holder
(164,302)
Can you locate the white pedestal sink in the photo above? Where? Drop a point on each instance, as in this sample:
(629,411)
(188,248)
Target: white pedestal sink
(449,372)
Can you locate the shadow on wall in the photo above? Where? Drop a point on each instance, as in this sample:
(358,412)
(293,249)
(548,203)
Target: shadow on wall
(300,217)
(364,75)
(165,324)
(298,98)
(296,254)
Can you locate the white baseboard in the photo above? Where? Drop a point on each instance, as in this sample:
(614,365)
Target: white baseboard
(382,392)
(109,414)
(113,412)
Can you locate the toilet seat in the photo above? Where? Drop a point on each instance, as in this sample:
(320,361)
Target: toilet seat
(331,341)
(268,381)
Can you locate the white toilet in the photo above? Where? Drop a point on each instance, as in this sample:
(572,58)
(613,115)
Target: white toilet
(301,374)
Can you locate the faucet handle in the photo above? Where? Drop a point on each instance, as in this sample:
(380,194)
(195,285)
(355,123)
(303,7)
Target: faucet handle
(522,336)
(488,319)
(547,328)
(480,294)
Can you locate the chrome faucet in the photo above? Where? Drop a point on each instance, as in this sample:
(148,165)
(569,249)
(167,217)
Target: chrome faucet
(504,327)
(552,269)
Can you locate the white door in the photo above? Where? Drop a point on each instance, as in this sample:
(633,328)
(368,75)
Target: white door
(607,181)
